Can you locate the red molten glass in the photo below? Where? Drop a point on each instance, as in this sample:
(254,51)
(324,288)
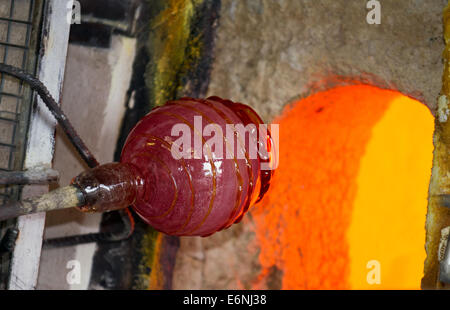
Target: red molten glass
(181,191)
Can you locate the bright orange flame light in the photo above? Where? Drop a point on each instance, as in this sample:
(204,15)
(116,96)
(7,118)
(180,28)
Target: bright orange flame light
(350,190)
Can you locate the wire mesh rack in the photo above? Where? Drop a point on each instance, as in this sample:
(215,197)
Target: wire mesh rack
(19,34)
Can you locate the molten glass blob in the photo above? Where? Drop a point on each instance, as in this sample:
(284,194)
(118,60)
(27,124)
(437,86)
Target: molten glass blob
(188,168)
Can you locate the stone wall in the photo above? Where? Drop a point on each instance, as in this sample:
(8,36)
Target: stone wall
(269,53)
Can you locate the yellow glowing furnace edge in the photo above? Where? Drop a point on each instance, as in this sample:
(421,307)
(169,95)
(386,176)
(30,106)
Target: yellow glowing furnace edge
(388,220)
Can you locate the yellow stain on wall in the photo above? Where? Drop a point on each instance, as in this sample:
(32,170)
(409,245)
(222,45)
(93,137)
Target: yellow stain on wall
(170,39)
(157,277)
(387,231)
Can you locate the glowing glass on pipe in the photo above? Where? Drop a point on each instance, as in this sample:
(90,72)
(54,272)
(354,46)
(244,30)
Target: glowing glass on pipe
(190,182)
(182,190)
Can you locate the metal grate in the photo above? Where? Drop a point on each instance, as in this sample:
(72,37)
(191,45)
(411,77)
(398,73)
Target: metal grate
(15,32)
(19,34)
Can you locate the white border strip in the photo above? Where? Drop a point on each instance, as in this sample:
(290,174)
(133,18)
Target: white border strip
(55,39)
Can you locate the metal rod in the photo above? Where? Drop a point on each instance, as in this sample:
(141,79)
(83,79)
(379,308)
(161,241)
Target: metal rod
(103,237)
(54,108)
(6,19)
(56,199)
(36,175)
(61,198)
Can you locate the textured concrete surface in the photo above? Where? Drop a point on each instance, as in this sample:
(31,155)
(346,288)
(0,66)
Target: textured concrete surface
(270,52)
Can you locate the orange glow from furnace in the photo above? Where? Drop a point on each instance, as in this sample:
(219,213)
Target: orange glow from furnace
(347,206)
